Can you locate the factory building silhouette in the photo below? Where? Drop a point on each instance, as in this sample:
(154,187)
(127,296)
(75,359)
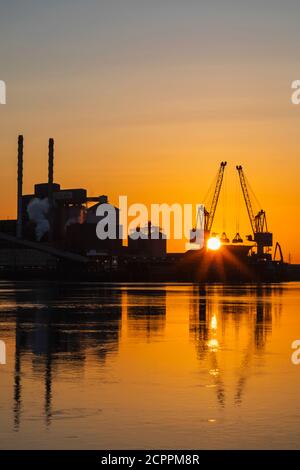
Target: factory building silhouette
(66,218)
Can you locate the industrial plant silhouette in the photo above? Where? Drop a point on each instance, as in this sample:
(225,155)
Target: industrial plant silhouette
(54,236)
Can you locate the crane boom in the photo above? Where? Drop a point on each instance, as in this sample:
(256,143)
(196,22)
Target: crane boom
(209,215)
(262,236)
(247,198)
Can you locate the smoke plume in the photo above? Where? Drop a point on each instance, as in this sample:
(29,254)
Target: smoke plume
(37,210)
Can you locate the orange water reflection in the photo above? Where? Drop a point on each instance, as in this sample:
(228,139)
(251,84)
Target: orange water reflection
(149,366)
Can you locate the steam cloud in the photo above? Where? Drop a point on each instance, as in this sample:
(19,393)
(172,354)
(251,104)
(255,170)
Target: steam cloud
(37,210)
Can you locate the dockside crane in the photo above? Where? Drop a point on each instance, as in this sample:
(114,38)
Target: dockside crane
(209,215)
(261,234)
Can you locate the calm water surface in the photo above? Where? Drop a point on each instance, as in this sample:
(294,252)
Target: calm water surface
(149,366)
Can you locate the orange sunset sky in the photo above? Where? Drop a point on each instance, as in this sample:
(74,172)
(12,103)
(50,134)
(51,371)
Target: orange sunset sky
(146,98)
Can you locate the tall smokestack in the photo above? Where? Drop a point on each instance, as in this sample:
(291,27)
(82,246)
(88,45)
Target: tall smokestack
(20,186)
(50,184)
(50,163)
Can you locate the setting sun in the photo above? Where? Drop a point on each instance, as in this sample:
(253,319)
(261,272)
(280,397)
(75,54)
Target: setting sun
(213,243)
